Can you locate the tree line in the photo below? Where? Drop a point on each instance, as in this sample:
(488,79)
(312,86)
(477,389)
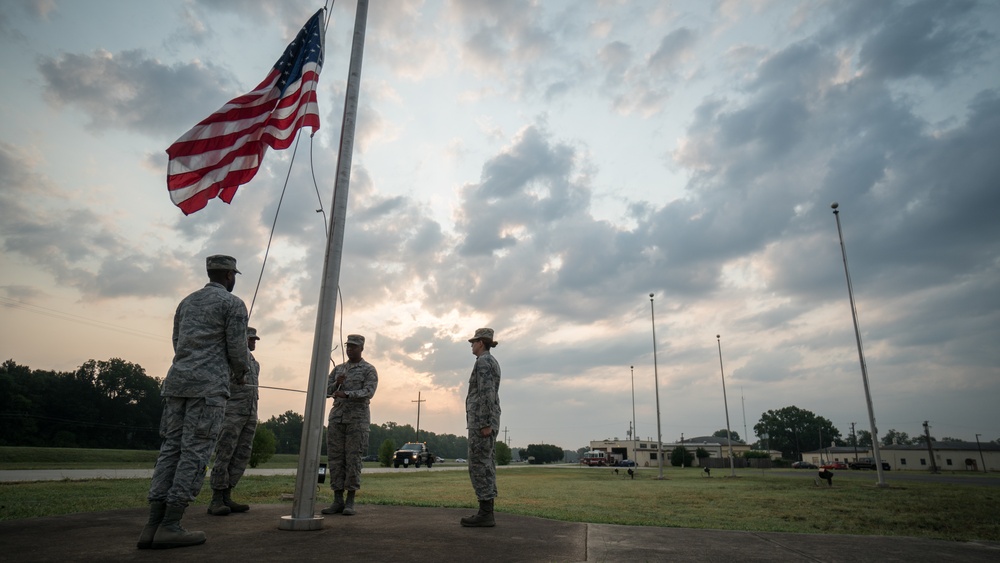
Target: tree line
(287,430)
(103,404)
(114,404)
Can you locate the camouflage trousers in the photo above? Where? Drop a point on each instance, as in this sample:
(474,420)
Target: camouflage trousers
(346,444)
(232,453)
(189,428)
(483,464)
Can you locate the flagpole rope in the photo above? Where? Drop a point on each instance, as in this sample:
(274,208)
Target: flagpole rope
(326,229)
(270,237)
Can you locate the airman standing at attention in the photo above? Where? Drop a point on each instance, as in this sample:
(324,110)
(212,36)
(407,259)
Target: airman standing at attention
(210,348)
(352,386)
(232,453)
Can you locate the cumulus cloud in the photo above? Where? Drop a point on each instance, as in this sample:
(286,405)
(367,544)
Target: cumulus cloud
(132,91)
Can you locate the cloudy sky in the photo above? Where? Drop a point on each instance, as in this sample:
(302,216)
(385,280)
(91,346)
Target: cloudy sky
(539,168)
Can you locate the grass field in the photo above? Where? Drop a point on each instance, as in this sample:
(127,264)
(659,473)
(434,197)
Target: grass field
(753,501)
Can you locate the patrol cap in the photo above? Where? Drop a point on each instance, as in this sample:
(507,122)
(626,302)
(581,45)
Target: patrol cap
(484,334)
(356,339)
(221,262)
(252,333)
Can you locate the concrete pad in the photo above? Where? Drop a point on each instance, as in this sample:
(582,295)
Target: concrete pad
(375,533)
(412,534)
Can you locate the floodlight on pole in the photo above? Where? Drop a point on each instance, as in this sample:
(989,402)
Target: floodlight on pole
(656,382)
(725,402)
(861,353)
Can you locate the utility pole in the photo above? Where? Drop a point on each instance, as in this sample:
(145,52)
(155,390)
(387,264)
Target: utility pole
(418,401)
(981,458)
(854,438)
(930,450)
(506,440)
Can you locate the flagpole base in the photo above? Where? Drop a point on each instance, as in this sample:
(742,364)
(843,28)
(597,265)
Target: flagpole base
(292,524)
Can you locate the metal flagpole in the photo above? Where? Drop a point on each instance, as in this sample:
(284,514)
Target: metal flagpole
(861,353)
(725,401)
(656,382)
(303,515)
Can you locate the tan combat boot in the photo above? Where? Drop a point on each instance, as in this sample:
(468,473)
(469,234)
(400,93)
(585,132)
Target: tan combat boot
(156,511)
(232,504)
(483,518)
(218,505)
(170,534)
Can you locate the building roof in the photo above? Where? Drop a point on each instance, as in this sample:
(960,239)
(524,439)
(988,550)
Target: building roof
(956,445)
(712,440)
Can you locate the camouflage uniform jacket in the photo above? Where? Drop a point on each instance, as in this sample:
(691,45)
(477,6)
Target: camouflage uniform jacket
(210,343)
(243,398)
(360,385)
(482,405)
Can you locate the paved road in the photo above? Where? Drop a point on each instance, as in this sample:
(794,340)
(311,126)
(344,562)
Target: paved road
(24,475)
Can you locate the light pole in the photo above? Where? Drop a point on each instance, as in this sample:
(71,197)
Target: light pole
(725,401)
(861,353)
(634,453)
(656,382)
(981,458)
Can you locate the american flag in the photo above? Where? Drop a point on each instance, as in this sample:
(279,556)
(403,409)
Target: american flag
(225,149)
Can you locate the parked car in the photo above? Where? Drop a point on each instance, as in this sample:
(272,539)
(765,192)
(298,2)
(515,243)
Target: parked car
(370,458)
(804,465)
(459,460)
(867,463)
(626,463)
(834,465)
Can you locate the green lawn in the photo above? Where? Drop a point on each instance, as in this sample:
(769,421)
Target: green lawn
(753,501)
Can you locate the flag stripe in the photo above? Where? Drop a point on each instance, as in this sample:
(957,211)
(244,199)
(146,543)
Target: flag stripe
(225,150)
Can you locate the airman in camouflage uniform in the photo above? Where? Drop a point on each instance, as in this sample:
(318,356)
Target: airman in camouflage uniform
(352,386)
(232,453)
(482,414)
(210,348)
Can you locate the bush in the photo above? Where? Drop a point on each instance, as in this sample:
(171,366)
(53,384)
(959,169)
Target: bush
(503,454)
(385,452)
(264,443)
(680,456)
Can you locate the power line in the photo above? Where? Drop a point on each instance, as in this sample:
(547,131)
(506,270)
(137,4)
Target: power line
(61,315)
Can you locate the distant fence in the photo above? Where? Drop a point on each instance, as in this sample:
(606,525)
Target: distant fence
(738,462)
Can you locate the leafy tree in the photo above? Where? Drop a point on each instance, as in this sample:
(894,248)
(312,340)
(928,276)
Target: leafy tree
(385,452)
(107,404)
(287,429)
(864,439)
(263,446)
(544,453)
(756,454)
(503,454)
(702,453)
(894,436)
(444,445)
(950,439)
(793,430)
(721,433)
(681,456)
